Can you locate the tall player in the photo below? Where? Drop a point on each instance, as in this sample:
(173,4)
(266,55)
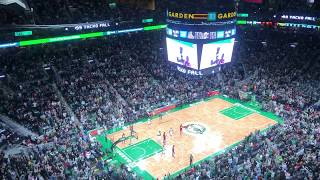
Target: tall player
(164,138)
(181,128)
(131,130)
(173,151)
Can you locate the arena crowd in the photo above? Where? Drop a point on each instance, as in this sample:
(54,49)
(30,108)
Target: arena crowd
(117,80)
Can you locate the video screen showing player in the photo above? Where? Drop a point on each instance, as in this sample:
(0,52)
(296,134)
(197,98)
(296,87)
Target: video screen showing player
(216,53)
(183,53)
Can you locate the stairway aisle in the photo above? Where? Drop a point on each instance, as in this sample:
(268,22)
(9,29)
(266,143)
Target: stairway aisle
(16,127)
(69,110)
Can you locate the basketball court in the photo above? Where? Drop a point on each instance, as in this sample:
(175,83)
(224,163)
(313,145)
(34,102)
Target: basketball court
(209,127)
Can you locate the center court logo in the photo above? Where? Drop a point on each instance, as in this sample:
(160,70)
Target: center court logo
(194,128)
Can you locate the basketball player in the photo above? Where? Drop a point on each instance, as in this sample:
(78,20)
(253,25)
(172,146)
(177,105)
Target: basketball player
(181,128)
(163,151)
(123,136)
(131,130)
(187,62)
(164,138)
(191,159)
(218,60)
(181,60)
(159,137)
(171,132)
(173,151)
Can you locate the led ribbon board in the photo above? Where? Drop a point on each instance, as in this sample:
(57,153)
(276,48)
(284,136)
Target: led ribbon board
(78,36)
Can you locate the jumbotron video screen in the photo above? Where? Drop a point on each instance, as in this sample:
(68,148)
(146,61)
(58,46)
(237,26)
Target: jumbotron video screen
(198,59)
(183,53)
(216,53)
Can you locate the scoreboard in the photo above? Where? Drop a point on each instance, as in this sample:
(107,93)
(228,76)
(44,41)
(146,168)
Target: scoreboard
(198,42)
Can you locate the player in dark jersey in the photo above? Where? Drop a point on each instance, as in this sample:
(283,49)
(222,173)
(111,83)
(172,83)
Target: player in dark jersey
(123,136)
(191,159)
(173,151)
